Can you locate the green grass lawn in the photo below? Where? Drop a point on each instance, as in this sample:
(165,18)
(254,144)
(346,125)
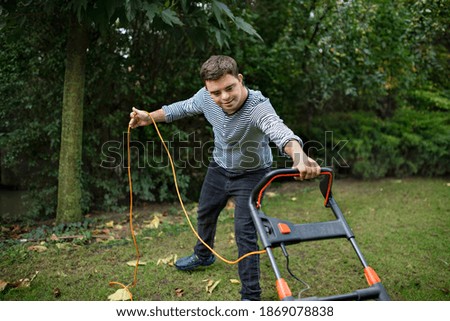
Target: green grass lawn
(401,226)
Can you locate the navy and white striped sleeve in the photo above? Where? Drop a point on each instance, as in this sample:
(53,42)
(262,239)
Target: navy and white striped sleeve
(266,119)
(185,108)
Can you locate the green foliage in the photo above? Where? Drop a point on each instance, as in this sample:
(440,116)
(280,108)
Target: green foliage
(430,100)
(412,142)
(78,230)
(357,55)
(31,91)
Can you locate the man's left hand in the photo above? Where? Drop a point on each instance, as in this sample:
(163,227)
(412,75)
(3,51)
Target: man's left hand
(307,167)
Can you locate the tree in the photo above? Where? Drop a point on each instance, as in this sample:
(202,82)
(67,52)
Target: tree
(104,15)
(69,177)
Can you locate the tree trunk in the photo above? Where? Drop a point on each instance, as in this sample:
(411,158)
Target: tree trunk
(69,176)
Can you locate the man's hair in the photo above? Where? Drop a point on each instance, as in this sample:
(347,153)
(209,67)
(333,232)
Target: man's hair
(218,66)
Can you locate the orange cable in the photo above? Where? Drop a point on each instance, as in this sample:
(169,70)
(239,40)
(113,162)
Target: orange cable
(184,209)
(130,184)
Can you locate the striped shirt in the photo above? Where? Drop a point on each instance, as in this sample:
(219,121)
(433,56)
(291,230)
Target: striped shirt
(241,140)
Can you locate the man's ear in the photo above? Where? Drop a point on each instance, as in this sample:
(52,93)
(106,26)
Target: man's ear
(241,78)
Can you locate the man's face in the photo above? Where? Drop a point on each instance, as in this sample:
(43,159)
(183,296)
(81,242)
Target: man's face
(228,92)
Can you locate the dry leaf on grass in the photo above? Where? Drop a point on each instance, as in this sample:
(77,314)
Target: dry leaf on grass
(22,283)
(170,260)
(26,282)
(179,292)
(154,223)
(211,285)
(109,224)
(230,205)
(120,295)
(118,227)
(3,285)
(63,246)
(56,292)
(37,248)
(61,274)
(133,263)
(231,238)
(271,194)
(104,238)
(235,281)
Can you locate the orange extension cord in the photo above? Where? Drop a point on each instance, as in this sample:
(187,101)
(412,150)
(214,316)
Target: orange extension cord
(138,255)
(126,287)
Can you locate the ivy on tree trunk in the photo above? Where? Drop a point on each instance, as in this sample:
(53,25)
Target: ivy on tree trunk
(69,178)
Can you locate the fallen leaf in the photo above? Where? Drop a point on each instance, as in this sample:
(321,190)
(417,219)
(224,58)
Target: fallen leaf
(63,246)
(234,281)
(3,285)
(109,224)
(231,238)
(24,283)
(211,285)
(270,194)
(37,248)
(102,231)
(211,288)
(56,292)
(133,263)
(170,260)
(154,223)
(230,205)
(104,238)
(62,274)
(179,292)
(120,295)
(54,237)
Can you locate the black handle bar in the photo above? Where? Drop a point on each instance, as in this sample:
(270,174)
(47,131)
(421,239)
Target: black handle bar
(258,191)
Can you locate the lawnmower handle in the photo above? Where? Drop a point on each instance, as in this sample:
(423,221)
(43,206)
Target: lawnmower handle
(257,193)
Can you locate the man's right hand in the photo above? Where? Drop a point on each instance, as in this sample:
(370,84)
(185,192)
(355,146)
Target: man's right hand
(139,118)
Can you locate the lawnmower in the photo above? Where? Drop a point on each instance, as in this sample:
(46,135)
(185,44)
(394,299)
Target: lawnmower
(275,232)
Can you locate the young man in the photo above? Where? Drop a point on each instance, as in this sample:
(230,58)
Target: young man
(243,122)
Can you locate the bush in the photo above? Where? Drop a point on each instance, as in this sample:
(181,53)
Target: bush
(412,142)
(430,100)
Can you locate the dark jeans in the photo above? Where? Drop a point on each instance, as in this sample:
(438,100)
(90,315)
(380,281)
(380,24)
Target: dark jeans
(219,185)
